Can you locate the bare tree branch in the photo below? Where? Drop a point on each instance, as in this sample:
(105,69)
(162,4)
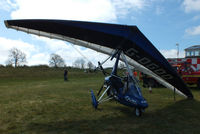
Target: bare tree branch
(16,57)
(79,63)
(56,61)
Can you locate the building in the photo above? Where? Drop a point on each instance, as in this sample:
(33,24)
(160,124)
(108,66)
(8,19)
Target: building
(192,56)
(192,52)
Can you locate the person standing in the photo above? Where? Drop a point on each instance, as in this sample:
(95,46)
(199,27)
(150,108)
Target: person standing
(65,75)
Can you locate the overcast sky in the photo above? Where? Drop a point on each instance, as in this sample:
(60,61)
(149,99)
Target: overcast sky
(164,22)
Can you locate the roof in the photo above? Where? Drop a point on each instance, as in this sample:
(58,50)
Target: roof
(193,47)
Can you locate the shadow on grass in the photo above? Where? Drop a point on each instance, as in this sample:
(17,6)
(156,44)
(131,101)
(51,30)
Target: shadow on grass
(194,88)
(181,117)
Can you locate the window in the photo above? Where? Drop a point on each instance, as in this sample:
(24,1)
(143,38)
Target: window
(192,53)
(187,53)
(196,53)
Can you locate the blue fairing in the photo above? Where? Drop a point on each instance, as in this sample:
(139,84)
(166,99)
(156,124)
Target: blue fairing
(132,98)
(94,101)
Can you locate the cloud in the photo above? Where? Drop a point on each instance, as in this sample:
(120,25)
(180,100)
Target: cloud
(172,53)
(193,30)
(191,5)
(138,4)
(70,52)
(7,44)
(39,59)
(7,5)
(123,7)
(87,10)
(90,10)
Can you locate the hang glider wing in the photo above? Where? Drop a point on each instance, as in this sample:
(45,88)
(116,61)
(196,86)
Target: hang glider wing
(105,38)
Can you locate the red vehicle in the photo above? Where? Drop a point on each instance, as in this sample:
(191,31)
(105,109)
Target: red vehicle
(188,68)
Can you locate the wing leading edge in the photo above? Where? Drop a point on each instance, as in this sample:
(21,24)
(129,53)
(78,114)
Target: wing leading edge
(105,38)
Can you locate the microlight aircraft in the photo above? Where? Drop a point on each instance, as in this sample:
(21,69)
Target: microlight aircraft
(126,43)
(125,90)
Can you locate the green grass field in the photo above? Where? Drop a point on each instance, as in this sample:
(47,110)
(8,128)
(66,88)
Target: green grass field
(38,101)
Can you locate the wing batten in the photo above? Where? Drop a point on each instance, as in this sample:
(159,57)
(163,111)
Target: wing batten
(105,38)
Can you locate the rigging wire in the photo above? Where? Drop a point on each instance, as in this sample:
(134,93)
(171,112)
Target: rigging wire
(87,58)
(81,54)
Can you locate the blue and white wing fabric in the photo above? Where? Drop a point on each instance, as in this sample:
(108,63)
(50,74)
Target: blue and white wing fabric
(105,38)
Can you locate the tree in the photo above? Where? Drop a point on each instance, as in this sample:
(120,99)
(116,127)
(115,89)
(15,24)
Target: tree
(16,57)
(1,65)
(56,61)
(79,63)
(82,61)
(76,63)
(90,65)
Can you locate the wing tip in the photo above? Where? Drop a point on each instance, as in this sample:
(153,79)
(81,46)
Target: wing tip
(6,23)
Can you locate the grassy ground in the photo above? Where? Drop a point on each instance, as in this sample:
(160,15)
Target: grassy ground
(38,101)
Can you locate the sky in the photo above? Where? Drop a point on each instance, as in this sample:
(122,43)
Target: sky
(164,22)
